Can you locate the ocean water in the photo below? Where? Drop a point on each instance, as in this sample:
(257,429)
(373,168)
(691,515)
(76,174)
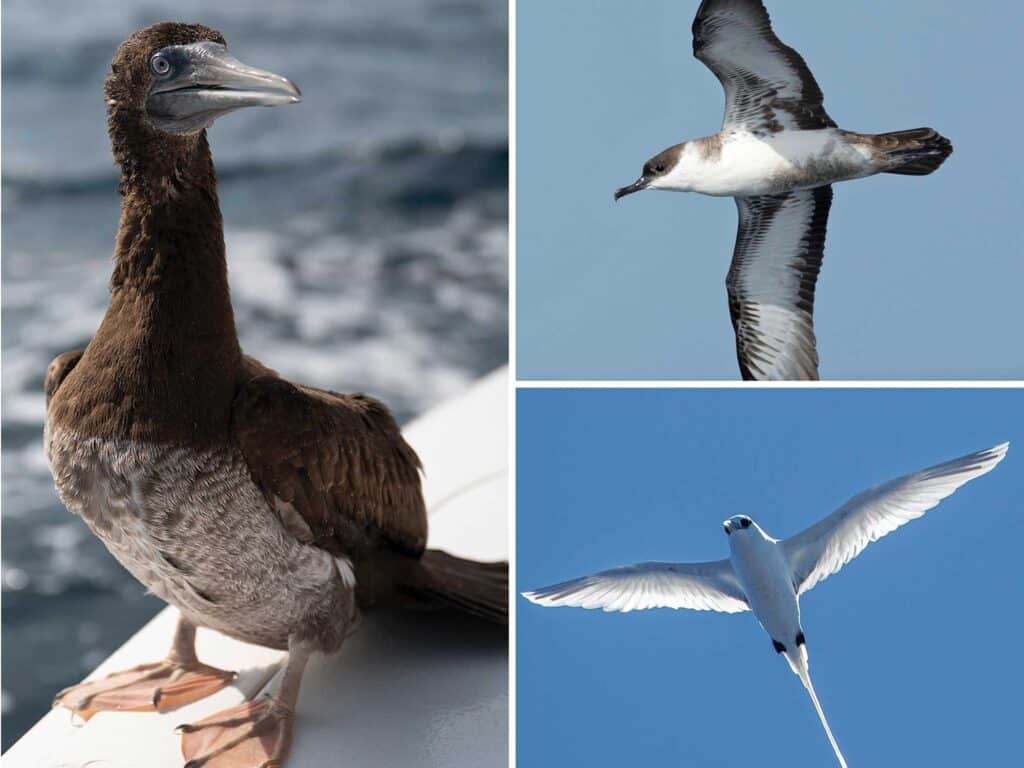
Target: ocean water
(367,246)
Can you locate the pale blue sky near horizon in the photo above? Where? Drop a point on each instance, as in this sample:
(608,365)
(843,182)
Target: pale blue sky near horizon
(914,646)
(922,276)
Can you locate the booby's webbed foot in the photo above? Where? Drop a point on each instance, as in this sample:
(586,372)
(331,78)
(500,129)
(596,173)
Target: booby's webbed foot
(256,734)
(158,687)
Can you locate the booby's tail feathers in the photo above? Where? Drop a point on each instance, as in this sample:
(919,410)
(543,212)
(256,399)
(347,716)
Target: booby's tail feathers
(797,659)
(916,152)
(480,589)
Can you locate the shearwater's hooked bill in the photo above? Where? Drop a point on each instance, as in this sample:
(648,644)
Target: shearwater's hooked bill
(767,575)
(778,154)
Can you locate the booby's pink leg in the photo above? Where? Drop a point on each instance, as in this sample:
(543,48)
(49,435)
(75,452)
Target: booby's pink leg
(162,686)
(256,734)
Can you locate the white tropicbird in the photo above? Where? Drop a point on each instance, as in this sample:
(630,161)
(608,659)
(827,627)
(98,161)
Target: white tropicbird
(767,575)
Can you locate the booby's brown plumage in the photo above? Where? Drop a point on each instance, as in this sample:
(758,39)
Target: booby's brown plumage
(260,508)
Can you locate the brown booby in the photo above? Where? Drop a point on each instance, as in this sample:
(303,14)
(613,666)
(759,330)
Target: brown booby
(269,511)
(777,154)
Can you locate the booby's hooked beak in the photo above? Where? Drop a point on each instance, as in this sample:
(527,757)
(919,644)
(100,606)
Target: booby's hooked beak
(727,524)
(637,186)
(195,84)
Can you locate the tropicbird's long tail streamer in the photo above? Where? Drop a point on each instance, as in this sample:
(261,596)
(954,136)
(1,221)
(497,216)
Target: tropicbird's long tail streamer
(799,665)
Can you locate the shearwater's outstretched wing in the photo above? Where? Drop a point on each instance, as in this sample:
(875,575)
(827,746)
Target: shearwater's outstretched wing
(698,586)
(827,546)
(768,87)
(780,244)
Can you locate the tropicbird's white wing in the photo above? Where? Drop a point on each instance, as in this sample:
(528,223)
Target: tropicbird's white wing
(828,545)
(698,586)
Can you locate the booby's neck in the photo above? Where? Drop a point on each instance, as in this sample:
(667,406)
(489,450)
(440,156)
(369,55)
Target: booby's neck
(165,361)
(171,234)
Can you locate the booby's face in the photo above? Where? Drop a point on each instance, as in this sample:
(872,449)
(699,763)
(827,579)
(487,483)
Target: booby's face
(192,85)
(658,172)
(182,78)
(739,524)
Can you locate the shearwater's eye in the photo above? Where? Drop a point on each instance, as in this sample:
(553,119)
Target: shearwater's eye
(659,168)
(745,522)
(159,64)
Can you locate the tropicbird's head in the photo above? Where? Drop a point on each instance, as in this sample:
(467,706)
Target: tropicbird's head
(739,524)
(665,170)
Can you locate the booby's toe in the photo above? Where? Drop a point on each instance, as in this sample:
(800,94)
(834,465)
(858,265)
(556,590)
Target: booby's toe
(158,687)
(255,734)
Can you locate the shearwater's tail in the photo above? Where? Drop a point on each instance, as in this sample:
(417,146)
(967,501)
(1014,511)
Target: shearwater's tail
(916,152)
(797,659)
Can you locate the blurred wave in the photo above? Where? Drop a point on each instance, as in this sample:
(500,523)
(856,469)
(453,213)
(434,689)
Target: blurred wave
(367,247)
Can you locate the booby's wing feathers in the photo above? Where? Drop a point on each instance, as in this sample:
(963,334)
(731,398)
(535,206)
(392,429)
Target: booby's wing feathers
(698,586)
(768,87)
(335,467)
(827,546)
(58,370)
(779,248)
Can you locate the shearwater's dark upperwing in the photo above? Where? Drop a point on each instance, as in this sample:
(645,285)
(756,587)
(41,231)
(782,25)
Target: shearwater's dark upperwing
(768,87)
(775,266)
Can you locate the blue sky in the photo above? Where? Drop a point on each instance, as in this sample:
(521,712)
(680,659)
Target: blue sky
(922,276)
(650,475)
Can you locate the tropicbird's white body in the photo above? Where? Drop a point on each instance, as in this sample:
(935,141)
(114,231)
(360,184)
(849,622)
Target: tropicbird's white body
(763,570)
(766,575)
(761,567)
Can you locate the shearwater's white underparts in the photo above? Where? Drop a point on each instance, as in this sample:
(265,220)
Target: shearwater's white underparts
(777,154)
(766,575)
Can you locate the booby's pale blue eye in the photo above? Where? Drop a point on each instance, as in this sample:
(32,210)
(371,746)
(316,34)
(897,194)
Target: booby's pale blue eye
(159,64)
(745,522)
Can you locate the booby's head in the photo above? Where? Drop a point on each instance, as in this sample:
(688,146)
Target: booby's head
(176,79)
(739,524)
(663,171)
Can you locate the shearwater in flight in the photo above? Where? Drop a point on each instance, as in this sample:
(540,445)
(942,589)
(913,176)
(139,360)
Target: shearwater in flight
(766,575)
(777,154)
